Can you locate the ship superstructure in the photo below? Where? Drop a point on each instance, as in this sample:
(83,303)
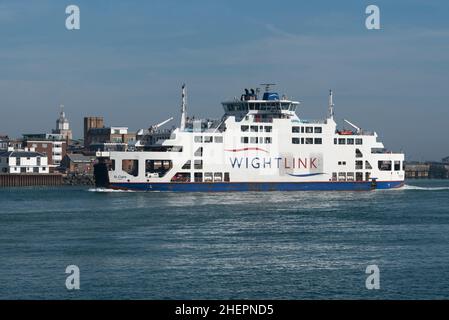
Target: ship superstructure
(260,144)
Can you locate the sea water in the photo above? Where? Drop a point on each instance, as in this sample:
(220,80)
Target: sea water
(276,245)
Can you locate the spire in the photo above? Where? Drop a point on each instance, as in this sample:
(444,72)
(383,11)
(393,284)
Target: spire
(183,108)
(331,105)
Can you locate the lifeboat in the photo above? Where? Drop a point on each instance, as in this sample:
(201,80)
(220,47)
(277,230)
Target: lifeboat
(346,132)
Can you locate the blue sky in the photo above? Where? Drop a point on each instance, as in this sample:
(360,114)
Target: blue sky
(129,59)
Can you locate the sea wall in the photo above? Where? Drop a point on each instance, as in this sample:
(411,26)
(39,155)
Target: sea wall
(26,180)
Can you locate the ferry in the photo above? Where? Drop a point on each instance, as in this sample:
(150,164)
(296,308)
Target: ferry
(260,144)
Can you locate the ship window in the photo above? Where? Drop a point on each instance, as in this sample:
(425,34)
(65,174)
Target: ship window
(295,129)
(341,141)
(302,140)
(350,141)
(368,165)
(181,177)
(318,130)
(318,141)
(254,129)
(158,167)
(397,165)
(208,139)
(335,140)
(198,164)
(359,165)
(295,140)
(245,139)
(208,177)
(244,128)
(358,153)
(268,128)
(218,177)
(198,176)
(112,167)
(309,140)
(302,129)
(334,176)
(198,139)
(358,141)
(199,152)
(253,140)
(226,177)
(359,176)
(187,165)
(309,129)
(384,165)
(267,139)
(350,176)
(342,176)
(219,139)
(131,167)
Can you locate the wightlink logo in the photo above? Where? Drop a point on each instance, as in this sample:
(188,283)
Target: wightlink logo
(274,162)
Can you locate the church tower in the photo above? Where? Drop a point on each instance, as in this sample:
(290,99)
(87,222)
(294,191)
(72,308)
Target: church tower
(63,125)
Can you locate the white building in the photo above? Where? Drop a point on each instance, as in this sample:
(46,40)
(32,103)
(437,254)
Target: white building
(23,161)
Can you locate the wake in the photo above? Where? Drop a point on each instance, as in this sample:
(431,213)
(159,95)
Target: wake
(105,190)
(409,187)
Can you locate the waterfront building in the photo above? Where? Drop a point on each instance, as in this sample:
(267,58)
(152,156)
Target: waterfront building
(78,164)
(23,161)
(54,146)
(97,137)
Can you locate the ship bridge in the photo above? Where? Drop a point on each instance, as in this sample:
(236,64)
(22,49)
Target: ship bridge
(269,107)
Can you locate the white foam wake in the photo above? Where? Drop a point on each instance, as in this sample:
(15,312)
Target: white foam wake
(409,187)
(108,190)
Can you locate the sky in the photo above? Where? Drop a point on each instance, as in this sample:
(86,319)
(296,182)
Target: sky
(129,59)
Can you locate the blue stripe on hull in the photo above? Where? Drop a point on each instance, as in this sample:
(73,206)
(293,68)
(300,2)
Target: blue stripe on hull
(257,186)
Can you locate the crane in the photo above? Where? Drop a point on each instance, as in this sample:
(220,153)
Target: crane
(153,128)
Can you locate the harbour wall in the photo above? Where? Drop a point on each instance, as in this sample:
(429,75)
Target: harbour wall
(27,180)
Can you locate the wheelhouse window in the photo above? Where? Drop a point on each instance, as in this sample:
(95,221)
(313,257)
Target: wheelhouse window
(318,141)
(295,140)
(198,139)
(341,141)
(245,139)
(244,128)
(267,139)
(397,165)
(318,130)
(208,139)
(253,140)
(309,140)
(268,128)
(309,129)
(218,139)
(295,129)
(350,141)
(254,129)
(359,141)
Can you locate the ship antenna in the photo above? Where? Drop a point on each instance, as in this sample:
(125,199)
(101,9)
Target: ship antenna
(183,108)
(331,105)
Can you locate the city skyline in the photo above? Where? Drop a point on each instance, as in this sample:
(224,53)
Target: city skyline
(128,61)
